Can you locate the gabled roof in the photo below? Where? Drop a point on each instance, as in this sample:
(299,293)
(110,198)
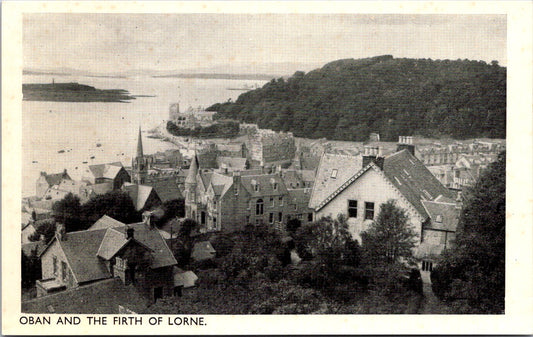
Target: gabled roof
(139,194)
(109,170)
(82,249)
(162,256)
(221,183)
(55,178)
(106,222)
(408,175)
(207,160)
(413,179)
(167,190)
(326,182)
(113,242)
(443,215)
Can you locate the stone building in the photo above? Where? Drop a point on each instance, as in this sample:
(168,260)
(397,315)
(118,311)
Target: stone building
(270,148)
(135,253)
(228,202)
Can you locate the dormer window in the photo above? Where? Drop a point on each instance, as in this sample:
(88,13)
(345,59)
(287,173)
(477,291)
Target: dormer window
(275,186)
(438,218)
(334,173)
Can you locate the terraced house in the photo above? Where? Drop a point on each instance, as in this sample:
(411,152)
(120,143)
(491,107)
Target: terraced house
(228,202)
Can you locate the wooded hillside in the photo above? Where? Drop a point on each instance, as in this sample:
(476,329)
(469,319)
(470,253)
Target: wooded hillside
(348,99)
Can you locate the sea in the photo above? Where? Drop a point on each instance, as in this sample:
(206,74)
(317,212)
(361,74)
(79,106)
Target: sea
(74,135)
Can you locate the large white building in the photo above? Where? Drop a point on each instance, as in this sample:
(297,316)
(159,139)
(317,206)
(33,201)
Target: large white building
(356,186)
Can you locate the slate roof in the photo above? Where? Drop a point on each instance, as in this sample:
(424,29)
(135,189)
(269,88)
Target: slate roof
(112,242)
(167,190)
(414,181)
(83,249)
(109,170)
(325,185)
(72,186)
(55,178)
(447,212)
(139,194)
(106,222)
(265,184)
(162,256)
(80,249)
(102,297)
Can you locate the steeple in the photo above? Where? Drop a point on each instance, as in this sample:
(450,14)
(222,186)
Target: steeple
(139,145)
(193,171)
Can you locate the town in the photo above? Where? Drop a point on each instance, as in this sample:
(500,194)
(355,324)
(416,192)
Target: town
(154,236)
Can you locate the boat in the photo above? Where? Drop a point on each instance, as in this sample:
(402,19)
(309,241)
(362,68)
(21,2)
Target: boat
(98,144)
(35,162)
(61,151)
(84,162)
(92,157)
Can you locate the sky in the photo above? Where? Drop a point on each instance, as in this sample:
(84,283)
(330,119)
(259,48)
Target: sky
(124,42)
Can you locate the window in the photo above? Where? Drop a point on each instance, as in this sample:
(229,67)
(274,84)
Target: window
(271,217)
(63,271)
(427,266)
(214,222)
(300,216)
(334,173)
(54,261)
(275,185)
(295,207)
(271,202)
(352,208)
(250,204)
(214,204)
(310,217)
(178,291)
(369,211)
(280,216)
(258,221)
(259,207)
(280,201)
(256,187)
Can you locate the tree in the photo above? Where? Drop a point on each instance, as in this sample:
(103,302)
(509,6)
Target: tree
(68,212)
(116,204)
(30,268)
(390,238)
(293,225)
(474,270)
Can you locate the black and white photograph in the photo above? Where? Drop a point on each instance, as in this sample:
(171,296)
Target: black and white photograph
(262,163)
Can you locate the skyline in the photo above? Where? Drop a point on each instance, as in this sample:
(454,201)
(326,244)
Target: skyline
(112,43)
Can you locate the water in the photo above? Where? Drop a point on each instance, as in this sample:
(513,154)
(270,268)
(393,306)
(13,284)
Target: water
(77,128)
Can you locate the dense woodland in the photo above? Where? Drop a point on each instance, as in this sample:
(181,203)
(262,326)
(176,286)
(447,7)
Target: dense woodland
(222,129)
(348,99)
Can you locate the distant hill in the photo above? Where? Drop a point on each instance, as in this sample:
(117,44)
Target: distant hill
(348,99)
(72,92)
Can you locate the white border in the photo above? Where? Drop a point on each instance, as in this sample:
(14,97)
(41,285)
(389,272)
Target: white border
(519,289)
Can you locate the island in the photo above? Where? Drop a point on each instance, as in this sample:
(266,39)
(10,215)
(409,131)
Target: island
(72,92)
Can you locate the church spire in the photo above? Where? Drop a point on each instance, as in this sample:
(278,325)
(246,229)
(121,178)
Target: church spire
(193,171)
(139,145)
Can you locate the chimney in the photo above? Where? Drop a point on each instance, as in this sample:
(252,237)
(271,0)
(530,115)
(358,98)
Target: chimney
(147,219)
(129,232)
(236,181)
(405,142)
(373,154)
(61,232)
